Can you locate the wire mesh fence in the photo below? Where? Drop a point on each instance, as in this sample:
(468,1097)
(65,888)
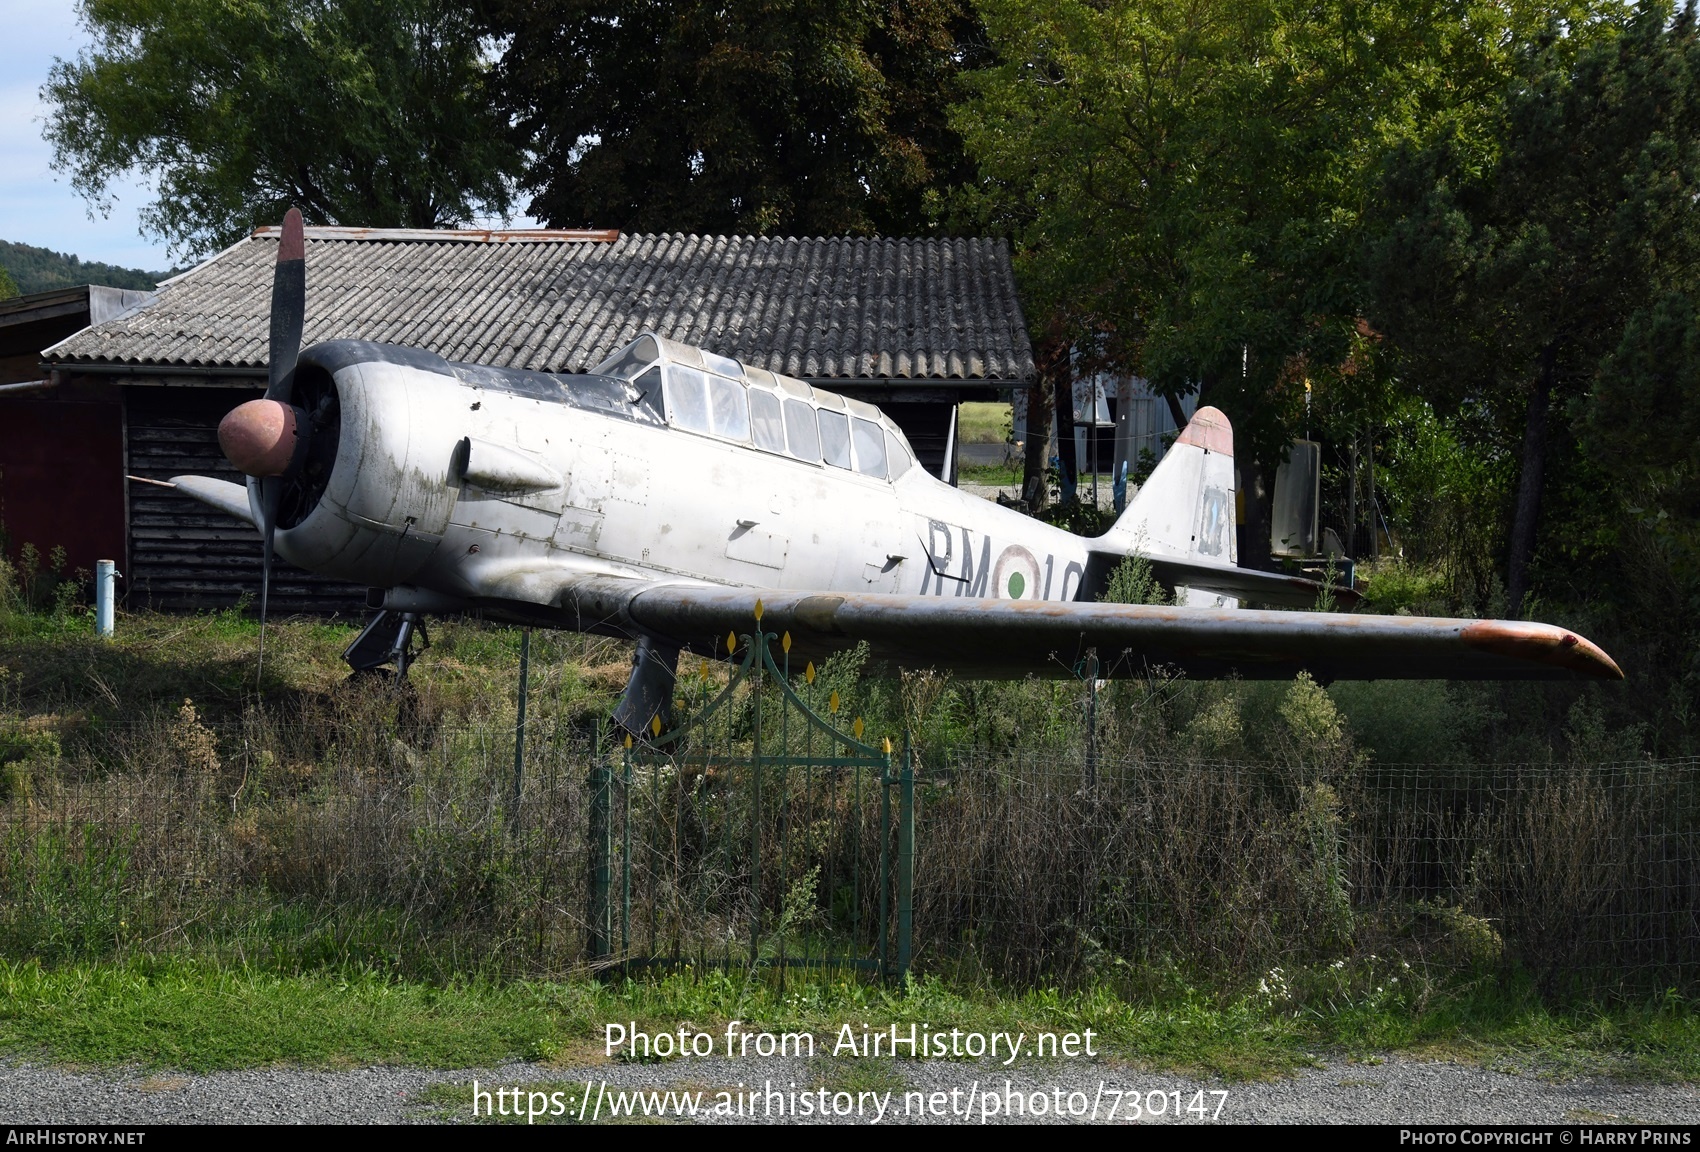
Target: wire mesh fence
(765,829)
(321,843)
(738,864)
(413,850)
(1586,875)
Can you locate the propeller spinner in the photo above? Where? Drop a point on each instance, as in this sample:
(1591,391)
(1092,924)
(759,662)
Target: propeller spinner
(260,437)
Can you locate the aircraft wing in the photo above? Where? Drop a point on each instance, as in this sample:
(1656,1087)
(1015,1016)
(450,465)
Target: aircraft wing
(1014,638)
(231,499)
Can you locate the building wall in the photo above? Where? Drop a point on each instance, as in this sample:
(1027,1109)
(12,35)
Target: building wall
(183,554)
(62,474)
(20,368)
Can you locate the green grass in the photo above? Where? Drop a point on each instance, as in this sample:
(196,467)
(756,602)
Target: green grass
(53,665)
(179,1014)
(982,423)
(200,1017)
(989,474)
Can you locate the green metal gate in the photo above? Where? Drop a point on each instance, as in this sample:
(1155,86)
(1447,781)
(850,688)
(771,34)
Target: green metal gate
(756,832)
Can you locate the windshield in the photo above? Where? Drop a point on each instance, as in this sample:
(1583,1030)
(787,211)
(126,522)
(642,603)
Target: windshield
(631,360)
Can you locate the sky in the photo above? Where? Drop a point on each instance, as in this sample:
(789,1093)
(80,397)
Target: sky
(37,205)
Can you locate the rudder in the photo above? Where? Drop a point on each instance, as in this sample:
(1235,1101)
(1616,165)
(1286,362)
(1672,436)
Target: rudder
(1186,508)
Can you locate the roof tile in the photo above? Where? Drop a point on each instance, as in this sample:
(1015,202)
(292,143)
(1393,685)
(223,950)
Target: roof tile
(822,308)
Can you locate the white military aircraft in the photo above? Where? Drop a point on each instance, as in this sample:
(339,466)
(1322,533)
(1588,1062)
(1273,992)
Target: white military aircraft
(665,493)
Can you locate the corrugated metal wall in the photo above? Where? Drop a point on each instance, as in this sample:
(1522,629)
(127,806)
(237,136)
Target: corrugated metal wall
(184,555)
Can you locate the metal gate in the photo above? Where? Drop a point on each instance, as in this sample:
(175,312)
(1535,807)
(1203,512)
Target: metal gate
(754,833)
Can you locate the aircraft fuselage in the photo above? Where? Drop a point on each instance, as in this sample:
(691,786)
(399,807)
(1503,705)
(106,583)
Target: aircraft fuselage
(467,487)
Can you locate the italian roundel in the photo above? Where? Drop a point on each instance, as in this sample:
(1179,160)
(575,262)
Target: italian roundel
(1016,574)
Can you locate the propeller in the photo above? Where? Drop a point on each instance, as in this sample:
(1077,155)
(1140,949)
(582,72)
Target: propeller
(267,438)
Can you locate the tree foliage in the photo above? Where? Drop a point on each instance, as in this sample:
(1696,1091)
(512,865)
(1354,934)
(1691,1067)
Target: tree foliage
(1529,274)
(1185,177)
(1187,181)
(755,116)
(42,269)
(360,112)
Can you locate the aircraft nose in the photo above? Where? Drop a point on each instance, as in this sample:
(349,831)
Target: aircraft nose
(259,437)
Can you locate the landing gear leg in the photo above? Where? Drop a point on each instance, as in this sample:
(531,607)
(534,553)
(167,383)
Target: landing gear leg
(388,639)
(649,692)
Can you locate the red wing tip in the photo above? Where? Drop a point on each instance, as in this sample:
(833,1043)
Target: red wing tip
(293,243)
(1543,644)
(1209,429)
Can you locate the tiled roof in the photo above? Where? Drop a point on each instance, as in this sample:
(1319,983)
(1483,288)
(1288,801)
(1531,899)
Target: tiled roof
(820,309)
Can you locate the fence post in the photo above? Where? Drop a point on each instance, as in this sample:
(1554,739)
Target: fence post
(519,722)
(601,855)
(886,782)
(905,858)
(1091,718)
(626,858)
(759,638)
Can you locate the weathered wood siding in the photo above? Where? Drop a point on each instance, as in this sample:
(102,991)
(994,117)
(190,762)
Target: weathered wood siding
(184,555)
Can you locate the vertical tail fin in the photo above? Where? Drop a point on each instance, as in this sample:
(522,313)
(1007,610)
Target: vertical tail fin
(1186,509)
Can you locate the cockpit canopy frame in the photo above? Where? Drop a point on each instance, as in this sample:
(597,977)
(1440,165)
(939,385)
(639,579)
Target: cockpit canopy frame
(698,391)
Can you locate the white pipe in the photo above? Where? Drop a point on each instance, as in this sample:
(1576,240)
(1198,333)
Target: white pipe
(105,595)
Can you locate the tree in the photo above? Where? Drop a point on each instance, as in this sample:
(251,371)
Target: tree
(812,117)
(1509,267)
(1186,179)
(42,269)
(1641,422)
(359,112)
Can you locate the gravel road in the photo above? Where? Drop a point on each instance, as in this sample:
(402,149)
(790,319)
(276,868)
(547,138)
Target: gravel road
(1397,1090)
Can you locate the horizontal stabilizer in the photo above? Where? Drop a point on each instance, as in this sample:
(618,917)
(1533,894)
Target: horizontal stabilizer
(1277,588)
(231,499)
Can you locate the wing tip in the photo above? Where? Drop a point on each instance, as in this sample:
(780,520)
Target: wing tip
(1543,644)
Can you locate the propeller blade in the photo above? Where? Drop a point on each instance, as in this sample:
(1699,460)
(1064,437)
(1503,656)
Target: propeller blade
(271,493)
(288,318)
(289,308)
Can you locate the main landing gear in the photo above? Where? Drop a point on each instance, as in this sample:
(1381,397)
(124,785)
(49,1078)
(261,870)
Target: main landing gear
(388,638)
(649,692)
(399,638)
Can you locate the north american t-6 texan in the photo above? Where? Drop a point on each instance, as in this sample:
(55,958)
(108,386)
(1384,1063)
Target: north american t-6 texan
(662,495)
